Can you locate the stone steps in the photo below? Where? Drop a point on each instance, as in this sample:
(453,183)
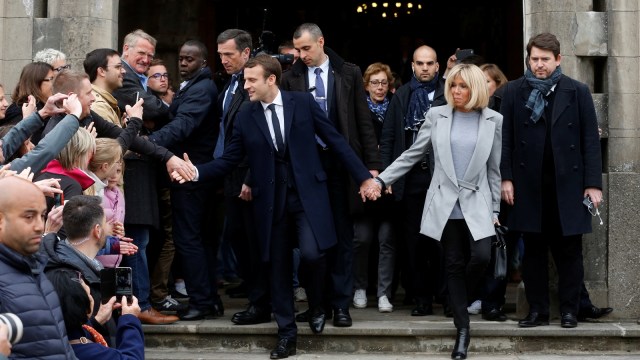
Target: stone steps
(389,333)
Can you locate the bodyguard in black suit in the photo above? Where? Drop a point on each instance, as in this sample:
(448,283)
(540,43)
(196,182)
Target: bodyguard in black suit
(276,131)
(551,161)
(342,96)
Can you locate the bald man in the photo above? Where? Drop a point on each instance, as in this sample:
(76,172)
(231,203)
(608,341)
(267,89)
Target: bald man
(24,288)
(403,119)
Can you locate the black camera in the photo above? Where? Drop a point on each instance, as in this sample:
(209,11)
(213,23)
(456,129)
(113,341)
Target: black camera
(14,325)
(267,42)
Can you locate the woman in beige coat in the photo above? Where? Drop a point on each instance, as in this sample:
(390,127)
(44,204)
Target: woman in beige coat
(463,200)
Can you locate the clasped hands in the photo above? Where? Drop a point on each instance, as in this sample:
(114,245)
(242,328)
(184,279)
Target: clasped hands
(372,190)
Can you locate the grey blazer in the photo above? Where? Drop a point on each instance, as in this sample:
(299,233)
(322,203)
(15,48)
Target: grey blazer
(478,191)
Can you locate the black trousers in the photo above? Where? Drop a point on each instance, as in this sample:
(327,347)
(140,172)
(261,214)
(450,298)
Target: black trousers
(465,262)
(292,225)
(567,256)
(239,230)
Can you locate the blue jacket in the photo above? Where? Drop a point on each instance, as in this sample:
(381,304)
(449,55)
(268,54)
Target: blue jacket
(26,292)
(303,118)
(129,340)
(194,119)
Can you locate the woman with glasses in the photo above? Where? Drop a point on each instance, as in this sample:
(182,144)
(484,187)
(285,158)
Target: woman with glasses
(375,221)
(77,305)
(36,80)
(463,200)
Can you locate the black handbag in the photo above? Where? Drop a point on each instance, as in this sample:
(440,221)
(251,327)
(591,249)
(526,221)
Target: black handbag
(499,253)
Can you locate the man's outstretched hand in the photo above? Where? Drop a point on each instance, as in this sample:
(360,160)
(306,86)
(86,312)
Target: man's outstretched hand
(186,172)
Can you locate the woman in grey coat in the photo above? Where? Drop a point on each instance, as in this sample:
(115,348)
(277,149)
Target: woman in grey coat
(463,200)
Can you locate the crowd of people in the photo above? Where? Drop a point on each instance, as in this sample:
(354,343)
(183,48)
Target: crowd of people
(296,175)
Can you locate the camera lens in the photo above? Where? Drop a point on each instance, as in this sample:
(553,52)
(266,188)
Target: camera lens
(14,324)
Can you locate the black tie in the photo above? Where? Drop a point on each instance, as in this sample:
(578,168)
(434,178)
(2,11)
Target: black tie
(276,128)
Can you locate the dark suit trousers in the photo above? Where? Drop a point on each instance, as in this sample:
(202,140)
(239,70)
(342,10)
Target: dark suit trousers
(291,225)
(424,254)
(465,263)
(195,240)
(340,260)
(239,230)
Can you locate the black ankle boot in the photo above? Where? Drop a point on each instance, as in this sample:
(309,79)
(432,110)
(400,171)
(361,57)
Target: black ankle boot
(462,344)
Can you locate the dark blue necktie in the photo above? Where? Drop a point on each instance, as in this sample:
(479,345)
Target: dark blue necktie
(321,99)
(219,150)
(276,128)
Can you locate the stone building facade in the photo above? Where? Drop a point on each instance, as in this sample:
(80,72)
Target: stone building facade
(600,42)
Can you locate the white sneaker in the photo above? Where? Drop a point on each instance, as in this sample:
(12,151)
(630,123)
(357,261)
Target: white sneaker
(384,306)
(360,299)
(299,294)
(475,308)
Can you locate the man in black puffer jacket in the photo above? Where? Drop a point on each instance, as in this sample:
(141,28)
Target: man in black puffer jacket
(24,288)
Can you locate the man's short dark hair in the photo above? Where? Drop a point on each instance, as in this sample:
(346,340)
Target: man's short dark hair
(98,58)
(80,214)
(74,301)
(68,81)
(270,65)
(201,47)
(544,41)
(242,38)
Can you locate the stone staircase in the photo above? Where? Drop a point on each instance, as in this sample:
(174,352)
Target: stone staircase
(390,333)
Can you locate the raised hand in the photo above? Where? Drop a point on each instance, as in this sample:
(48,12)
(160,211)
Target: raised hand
(72,105)
(50,108)
(135,110)
(29,107)
(49,186)
(54,220)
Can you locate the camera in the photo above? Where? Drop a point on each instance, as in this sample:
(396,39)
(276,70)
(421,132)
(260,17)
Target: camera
(14,325)
(116,282)
(267,42)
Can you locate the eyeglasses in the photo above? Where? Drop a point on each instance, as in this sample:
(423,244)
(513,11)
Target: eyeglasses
(377,83)
(115,66)
(63,67)
(592,209)
(48,79)
(159,76)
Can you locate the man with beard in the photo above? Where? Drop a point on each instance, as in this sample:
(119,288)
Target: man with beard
(105,72)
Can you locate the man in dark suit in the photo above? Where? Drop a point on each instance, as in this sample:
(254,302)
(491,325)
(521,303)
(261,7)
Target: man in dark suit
(421,273)
(551,162)
(276,131)
(234,49)
(339,90)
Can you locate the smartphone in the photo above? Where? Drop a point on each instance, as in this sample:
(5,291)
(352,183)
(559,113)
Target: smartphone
(116,282)
(463,54)
(588,203)
(58,200)
(137,96)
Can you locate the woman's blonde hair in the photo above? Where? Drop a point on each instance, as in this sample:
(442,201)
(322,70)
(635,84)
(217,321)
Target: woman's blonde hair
(475,80)
(107,151)
(78,150)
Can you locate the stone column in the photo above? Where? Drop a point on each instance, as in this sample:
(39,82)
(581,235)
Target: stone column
(624,157)
(74,27)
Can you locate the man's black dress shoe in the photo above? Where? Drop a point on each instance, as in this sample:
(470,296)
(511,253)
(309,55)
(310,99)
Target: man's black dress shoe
(342,318)
(284,349)
(494,315)
(253,315)
(534,319)
(463,337)
(306,315)
(422,309)
(317,321)
(593,313)
(568,320)
(194,314)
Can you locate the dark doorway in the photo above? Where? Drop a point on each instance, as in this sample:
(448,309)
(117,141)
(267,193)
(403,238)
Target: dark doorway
(493,28)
